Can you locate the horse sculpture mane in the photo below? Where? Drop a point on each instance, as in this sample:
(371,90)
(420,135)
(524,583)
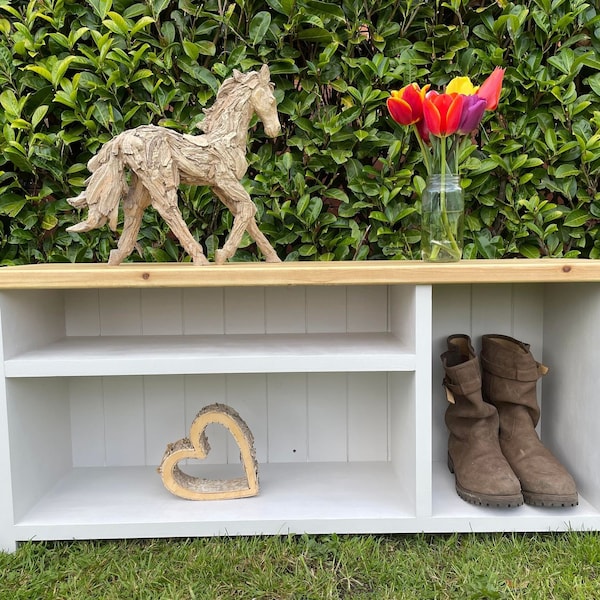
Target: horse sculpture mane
(159,159)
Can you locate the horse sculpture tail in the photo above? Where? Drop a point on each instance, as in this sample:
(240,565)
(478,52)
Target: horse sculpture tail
(105,188)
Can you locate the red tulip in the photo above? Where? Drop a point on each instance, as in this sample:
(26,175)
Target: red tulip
(406,105)
(442,113)
(490,89)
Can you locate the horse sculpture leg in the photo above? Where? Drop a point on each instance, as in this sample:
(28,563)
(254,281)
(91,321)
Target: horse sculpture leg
(168,210)
(135,203)
(236,199)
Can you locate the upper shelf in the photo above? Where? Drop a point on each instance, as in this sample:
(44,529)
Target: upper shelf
(176,275)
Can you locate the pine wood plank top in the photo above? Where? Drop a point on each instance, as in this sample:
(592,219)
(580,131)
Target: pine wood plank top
(154,275)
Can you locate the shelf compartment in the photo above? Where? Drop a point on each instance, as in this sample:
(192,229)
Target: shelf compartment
(294,497)
(194,354)
(451,513)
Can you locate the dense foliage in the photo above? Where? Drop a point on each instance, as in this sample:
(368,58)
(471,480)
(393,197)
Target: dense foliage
(342,181)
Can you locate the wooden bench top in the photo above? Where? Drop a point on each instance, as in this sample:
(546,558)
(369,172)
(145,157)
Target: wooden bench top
(173,275)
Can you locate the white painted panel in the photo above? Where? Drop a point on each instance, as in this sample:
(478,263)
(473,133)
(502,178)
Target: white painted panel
(162,311)
(247,394)
(40,440)
(82,313)
(287,413)
(87,421)
(285,309)
(120,312)
(422,402)
(31,319)
(492,311)
(245,310)
(7,542)
(326,309)
(402,313)
(124,421)
(367,308)
(327,417)
(201,391)
(451,315)
(203,311)
(367,416)
(571,407)
(528,316)
(233,353)
(164,410)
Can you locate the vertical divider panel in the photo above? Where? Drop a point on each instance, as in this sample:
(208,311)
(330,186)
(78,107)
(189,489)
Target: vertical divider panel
(423,441)
(6,489)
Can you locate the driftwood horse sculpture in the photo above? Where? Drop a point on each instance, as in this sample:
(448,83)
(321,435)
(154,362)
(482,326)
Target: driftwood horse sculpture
(159,159)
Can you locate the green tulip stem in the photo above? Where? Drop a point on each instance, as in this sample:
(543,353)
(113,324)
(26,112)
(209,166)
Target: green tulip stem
(443,208)
(424,151)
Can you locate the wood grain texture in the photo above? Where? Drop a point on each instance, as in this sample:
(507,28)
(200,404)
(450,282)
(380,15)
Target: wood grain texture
(196,446)
(159,159)
(186,275)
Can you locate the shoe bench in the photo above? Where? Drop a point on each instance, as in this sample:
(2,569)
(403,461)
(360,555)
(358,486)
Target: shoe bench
(334,367)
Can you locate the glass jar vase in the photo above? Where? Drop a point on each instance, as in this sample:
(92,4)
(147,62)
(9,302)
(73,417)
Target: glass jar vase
(442,219)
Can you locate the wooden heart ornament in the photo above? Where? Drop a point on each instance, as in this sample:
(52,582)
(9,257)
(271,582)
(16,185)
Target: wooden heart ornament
(197,447)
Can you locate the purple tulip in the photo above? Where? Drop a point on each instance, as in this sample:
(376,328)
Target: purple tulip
(472,112)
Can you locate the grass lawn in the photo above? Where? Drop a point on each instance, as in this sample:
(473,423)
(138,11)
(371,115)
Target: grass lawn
(563,566)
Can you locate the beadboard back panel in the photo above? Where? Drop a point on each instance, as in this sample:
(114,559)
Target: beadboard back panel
(294,417)
(227,310)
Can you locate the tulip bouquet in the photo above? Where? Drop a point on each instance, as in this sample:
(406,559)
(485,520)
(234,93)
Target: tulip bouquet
(442,122)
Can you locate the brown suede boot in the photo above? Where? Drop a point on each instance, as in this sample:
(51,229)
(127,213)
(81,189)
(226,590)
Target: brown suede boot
(510,374)
(481,472)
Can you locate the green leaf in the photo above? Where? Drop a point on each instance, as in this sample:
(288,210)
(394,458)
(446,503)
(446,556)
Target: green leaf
(576,218)
(566,170)
(101,7)
(141,24)
(530,251)
(10,104)
(11,204)
(259,25)
(116,23)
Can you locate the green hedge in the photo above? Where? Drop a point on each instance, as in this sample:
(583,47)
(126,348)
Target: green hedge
(340,182)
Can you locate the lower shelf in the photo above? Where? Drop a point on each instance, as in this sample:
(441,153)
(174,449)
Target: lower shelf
(294,498)
(368,497)
(450,513)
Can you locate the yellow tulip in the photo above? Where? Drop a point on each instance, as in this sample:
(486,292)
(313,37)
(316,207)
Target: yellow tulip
(461,85)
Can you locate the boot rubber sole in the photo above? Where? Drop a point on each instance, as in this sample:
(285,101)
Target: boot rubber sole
(480,499)
(550,500)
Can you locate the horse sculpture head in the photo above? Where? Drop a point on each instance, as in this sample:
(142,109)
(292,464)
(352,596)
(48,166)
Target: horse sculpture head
(263,100)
